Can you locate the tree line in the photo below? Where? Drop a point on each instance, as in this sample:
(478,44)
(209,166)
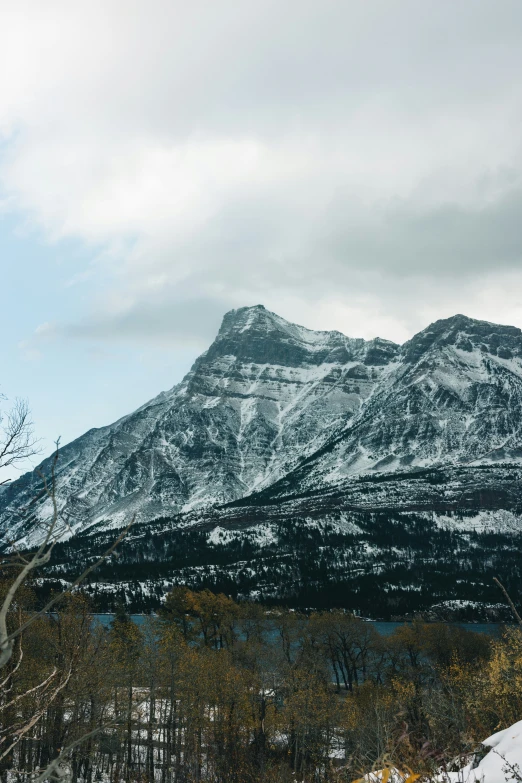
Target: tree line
(212,689)
(395,566)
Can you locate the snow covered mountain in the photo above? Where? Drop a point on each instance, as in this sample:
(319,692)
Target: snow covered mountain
(305,466)
(452,395)
(265,394)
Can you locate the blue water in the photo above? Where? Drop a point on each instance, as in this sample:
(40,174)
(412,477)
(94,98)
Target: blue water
(106,619)
(385,629)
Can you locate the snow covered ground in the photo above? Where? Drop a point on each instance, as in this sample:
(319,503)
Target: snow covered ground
(498,760)
(502,763)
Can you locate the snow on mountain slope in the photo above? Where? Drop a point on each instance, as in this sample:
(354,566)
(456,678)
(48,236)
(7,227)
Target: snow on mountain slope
(272,410)
(453,395)
(302,466)
(265,394)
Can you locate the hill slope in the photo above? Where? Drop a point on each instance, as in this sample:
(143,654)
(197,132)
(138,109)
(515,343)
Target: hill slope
(307,467)
(452,396)
(265,393)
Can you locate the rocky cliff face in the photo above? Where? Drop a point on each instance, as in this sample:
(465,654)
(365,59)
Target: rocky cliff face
(451,396)
(265,394)
(308,467)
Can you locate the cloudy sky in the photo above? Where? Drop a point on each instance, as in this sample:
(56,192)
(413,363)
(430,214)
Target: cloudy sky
(351,165)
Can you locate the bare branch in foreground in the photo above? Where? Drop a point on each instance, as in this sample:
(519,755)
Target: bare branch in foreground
(58,769)
(37,715)
(17,439)
(74,584)
(508,599)
(40,558)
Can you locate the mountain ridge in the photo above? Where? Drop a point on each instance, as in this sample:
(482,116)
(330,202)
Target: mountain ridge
(304,466)
(282,418)
(263,392)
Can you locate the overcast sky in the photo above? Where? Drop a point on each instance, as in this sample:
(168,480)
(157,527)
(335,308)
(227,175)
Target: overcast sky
(350,164)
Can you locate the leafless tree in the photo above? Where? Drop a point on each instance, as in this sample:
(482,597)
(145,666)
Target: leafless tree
(17,438)
(18,444)
(27,563)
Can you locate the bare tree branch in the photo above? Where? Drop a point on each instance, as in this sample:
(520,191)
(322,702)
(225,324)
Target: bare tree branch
(11,674)
(17,438)
(37,715)
(40,685)
(74,584)
(508,599)
(39,558)
(17,443)
(49,773)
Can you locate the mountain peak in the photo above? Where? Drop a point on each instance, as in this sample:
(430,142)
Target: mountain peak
(245,318)
(468,334)
(475,325)
(269,395)
(255,334)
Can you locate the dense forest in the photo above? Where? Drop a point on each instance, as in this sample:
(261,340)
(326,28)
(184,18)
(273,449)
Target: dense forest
(393,565)
(216,690)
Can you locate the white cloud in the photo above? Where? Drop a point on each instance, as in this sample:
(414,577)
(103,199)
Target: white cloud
(352,165)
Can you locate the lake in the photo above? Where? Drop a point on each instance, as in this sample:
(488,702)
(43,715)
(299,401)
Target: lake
(385,629)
